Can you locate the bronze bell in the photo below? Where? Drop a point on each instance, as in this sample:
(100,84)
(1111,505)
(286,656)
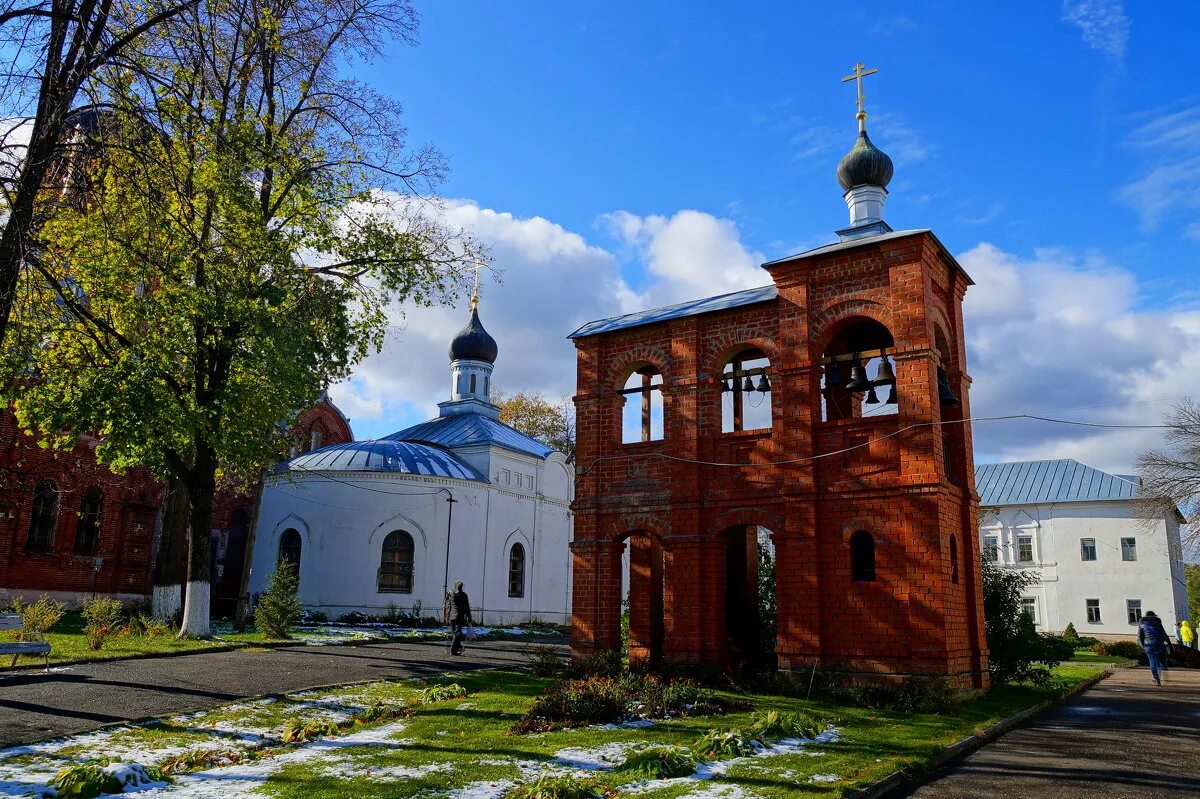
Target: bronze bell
(726,385)
(872,397)
(748,385)
(858,378)
(764,385)
(945,394)
(891,400)
(884,373)
(833,376)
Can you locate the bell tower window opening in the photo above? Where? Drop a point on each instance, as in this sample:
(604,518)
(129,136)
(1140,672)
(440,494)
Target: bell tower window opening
(642,415)
(746,392)
(858,376)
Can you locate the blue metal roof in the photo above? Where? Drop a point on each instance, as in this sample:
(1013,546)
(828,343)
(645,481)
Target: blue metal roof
(404,457)
(469,429)
(707,305)
(1029,482)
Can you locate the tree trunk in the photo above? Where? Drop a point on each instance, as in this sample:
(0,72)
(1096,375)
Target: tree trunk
(243,605)
(170,569)
(198,597)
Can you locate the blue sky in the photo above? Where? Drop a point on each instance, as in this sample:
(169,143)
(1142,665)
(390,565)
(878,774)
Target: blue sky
(621,154)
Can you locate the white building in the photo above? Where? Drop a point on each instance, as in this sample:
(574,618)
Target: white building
(1098,565)
(460,497)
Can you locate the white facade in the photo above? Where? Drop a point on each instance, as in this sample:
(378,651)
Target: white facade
(372,524)
(1090,553)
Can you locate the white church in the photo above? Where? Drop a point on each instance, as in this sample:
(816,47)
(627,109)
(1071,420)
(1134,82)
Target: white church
(394,521)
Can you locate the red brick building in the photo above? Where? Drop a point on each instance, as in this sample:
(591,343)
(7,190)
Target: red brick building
(69,526)
(872,514)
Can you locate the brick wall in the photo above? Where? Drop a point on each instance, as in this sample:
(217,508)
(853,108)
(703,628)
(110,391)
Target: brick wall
(921,614)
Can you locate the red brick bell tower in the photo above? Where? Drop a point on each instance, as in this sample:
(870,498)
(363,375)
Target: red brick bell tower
(822,412)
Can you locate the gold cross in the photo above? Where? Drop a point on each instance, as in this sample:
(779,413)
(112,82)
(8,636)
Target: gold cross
(475,293)
(860,72)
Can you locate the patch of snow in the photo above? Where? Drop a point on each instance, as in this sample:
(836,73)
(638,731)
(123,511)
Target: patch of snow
(636,724)
(604,757)
(481,790)
(824,778)
(133,777)
(720,792)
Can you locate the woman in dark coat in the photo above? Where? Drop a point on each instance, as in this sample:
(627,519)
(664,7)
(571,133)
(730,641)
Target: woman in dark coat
(460,617)
(1153,638)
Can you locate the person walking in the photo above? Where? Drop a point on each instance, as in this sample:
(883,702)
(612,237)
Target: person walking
(460,617)
(1179,633)
(1153,638)
(1187,634)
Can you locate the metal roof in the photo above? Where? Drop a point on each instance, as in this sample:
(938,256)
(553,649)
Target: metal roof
(706,305)
(852,243)
(402,457)
(470,429)
(1030,482)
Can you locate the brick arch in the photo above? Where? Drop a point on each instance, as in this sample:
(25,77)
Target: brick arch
(623,526)
(724,348)
(633,359)
(739,517)
(825,325)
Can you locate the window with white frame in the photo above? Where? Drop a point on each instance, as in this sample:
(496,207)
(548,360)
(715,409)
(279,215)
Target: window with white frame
(991,548)
(1029,607)
(1025,549)
(1133,609)
(1093,611)
(1128,549)
(1087,549)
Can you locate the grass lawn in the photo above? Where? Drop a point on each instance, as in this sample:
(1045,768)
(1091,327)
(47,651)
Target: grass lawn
(462,748)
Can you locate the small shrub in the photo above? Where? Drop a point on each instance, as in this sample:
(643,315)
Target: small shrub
(38,618)
(308,616)
(774,726)
(279,606)
(353,617)
(1086,642)
(575,703)
(1131,650)
(545,661)
(550,786)
(725,744)
(661,762)
(1071,634)
(393,613)
(1057,648)
(102,618)
(380,710)
(203,759)
(442,693)
(84,780)
(299,731)
(606,663)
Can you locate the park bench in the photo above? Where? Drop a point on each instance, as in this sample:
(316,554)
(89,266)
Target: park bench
(12,621)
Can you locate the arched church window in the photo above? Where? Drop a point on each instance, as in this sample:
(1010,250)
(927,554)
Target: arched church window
(396,563)
(642,416)
(472,384)
(87,529)
(954,559)
(289,547)
(746,392)
(516,571)
(43,518)
(862,556)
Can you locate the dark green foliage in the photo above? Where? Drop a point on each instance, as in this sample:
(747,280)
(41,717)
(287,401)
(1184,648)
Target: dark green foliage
(1071,634)
(1057,647)
(380,710)
(279,607)
(606,663)
(1086,642)
(84,781)
(600,700)
(767,623)
(1016,651)
(661,762)
(935,695)
(773,725)
(1119,649)
(442,693)
(300,731)
(725,744)
(545,661)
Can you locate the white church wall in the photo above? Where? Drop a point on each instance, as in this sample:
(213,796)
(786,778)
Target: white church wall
(1066,581)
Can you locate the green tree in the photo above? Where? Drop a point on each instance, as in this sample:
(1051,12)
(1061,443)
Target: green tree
(1192,578)
(1016,651)
(552,423)
(278,609)
(254,216)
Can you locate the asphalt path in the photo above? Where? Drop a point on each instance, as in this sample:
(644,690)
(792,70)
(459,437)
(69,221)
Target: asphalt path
(1124,738)
(35,705)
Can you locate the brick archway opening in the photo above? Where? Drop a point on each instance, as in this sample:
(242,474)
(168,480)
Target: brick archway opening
(743,628)
(642,584)
(858,342)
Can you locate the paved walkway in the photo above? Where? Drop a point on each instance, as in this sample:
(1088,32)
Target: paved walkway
(35,705)
(1122,739)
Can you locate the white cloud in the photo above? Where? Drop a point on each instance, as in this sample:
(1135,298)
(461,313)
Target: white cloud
(1057,332)
(553,282)
(898,139)
(1102,24)
(1170,181)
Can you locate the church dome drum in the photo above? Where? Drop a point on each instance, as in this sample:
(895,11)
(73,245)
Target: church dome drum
(864,165)
(473,343)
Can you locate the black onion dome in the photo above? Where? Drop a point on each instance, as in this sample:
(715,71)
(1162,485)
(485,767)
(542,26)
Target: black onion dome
(473,343)
(864,165)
